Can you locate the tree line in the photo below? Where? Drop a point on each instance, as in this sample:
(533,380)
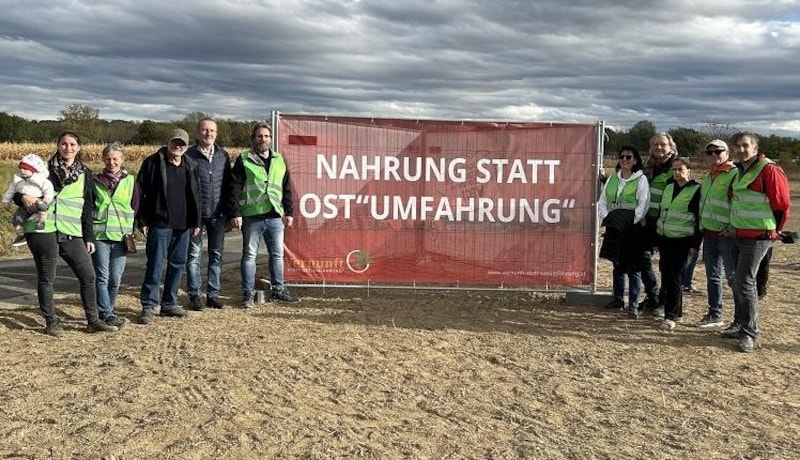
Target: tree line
(85,120)
(691,142)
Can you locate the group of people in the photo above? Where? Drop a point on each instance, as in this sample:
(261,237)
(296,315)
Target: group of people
(736,213)
(180,193)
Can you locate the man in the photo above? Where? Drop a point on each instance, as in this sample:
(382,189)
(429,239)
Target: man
(261,205)
(715,210)
(214,167)
(169,213)
(663,151)
(759,212)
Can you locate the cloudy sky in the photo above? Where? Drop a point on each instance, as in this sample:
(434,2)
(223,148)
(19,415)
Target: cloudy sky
(673,62)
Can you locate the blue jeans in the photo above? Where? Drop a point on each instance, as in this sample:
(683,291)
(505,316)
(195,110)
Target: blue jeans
(173,245)
(634,285)
(253,230)
(748,255)
(215,234)
(109,262)
(718,256)
(650,282)
(688,271)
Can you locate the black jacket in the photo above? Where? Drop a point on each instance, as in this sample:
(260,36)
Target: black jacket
(153,187)
(624,242)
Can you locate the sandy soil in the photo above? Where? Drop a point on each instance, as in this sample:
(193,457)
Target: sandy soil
(404,374)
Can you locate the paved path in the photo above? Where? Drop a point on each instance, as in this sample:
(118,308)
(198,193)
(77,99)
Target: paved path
(18,276)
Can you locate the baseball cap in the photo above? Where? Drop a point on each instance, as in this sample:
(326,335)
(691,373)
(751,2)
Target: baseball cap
(717,144)
(179,134)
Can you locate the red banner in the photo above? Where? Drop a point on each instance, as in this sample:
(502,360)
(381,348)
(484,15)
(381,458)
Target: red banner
(399,202)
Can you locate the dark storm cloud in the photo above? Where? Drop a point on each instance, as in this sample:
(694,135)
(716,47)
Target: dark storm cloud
(457,59)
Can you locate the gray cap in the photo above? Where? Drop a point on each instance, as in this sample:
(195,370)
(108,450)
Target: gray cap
(179,134)
(719,144)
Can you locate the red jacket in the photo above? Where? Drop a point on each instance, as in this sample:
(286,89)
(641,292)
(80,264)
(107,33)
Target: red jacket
(773,182)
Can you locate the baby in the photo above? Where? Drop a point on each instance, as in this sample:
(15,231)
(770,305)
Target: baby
(31,179)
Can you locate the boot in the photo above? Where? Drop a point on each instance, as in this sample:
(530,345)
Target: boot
(53,327)
(99,325)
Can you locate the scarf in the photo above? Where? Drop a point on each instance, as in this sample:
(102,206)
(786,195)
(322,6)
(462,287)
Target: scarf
(62,174)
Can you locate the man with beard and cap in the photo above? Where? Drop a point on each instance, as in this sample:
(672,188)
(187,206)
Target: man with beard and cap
(169,213)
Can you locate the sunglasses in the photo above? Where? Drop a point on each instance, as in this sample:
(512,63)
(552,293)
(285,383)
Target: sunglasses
(626,157)
(711,152)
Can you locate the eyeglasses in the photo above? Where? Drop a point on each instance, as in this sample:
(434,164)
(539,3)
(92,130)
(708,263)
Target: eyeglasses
(712,152)
(626,157)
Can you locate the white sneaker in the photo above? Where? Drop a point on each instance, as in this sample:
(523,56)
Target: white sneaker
(20,240)
(667,325)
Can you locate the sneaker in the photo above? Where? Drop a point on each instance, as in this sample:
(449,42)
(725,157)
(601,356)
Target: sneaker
(248,301)
(20,240)
(709,321)
(284,296)
(633,313)
(146,317)
(731,332)
(213,302)
(175,311)
(113,320)
(196,304)
(53,327)
(747,344)
(100,326)
(649,304)
(667,325)
(615,304)
(658,313)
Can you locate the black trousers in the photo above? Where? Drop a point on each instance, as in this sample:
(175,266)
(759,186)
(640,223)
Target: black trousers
(46,248)
(673,253)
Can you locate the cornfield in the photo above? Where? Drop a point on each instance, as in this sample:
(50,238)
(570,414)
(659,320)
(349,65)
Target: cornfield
(91,152)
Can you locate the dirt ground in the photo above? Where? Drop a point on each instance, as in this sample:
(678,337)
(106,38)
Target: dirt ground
(404,374)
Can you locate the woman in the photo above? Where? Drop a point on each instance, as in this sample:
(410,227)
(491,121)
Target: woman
(622,207)
(679,236)
(116,200)
(67,232)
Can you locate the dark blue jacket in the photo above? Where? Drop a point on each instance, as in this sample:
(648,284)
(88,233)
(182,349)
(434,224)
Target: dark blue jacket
(215,177)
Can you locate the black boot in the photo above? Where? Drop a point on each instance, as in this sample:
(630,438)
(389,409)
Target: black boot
(99,325)
(53,327)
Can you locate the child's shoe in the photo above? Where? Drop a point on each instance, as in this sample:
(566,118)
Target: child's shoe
(19,241)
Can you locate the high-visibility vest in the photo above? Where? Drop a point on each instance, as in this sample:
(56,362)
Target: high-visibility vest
(262,192)
(715,205)
(675,220)
(750,210)
(627,199)
(114,215)
(64,213)
(657,186)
